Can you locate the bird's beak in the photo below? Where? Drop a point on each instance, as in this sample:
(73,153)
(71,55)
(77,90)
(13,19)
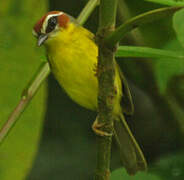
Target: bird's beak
(42,38)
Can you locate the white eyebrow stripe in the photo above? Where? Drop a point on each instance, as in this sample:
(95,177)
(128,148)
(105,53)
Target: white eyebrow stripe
(44,26)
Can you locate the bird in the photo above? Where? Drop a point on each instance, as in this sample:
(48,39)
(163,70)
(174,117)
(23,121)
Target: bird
(73,56)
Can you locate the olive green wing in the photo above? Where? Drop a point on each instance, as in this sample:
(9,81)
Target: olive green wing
(126,101)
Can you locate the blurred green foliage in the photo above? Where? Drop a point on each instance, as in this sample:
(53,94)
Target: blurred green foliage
(120,174)
(170,166)
(67,147)
(178,26)
(19,59)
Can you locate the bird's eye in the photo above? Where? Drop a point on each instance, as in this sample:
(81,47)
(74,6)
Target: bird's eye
(52,22)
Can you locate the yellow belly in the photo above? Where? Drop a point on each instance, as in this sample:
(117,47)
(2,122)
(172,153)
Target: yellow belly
(73,62)
(76,74)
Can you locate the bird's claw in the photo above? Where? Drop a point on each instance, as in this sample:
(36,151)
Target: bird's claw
(96,128)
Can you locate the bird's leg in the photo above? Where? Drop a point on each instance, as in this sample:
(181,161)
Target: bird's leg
(96,128)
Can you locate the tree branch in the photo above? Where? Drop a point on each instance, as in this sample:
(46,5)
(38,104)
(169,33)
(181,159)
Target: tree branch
(106,94)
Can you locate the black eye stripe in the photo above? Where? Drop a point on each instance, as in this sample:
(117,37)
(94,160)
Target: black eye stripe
(52,22)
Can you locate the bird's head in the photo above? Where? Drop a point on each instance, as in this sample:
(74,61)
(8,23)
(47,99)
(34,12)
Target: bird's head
(49,25)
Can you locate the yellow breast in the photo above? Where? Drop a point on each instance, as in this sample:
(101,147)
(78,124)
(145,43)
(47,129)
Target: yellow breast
(73,57)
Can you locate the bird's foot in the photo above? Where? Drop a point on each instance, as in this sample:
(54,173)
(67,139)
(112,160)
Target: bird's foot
(96,128)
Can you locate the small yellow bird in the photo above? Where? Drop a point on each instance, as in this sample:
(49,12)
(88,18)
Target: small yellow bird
(72,55)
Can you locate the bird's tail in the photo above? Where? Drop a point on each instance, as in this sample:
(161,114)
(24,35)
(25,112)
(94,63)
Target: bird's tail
(130,152)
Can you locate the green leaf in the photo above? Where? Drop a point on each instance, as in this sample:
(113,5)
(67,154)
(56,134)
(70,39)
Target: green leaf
(18,61)
(136,21)
(168,2)
(120,174)
(179,25)
(145,52)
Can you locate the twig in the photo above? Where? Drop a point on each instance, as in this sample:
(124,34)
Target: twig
(88,9)
(106,88)
(27,95)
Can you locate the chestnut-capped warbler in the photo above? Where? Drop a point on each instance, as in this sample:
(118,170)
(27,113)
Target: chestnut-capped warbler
(72,55)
